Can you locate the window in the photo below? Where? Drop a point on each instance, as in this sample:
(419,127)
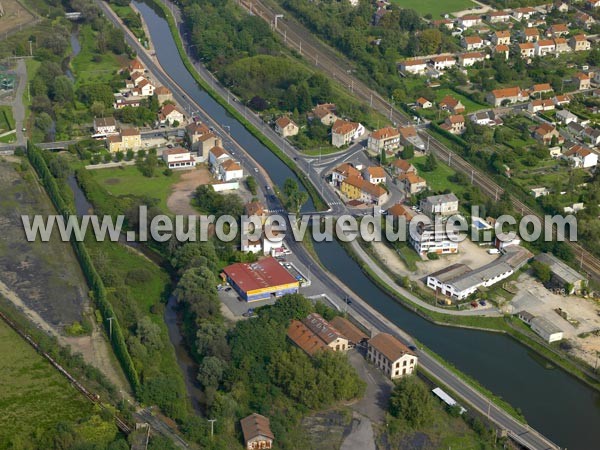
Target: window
(398,364)
(404,364)
(403,371)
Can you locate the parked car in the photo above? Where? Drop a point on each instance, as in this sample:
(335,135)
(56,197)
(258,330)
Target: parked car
(474,304)
(493,251)
(482,302)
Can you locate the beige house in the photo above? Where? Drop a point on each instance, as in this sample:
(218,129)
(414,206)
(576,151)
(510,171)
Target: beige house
(501,37)
(582,81)
(527,50)
(391,356)
(374,174)
(284,126)
(170,114)
(325,113)
(472,42)
(344,132)
(127,139)
(314,334)
(401,166)
(387,138)
(579,43)
(413,183)
(201,139)
(530,34)
(178,158)
(257,432)
(454,124)
(454,106)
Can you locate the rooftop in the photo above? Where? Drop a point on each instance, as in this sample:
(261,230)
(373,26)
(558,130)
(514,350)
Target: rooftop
(348,329)
(389,346)
(256,425)
(266,273)
(559,268)
(320,327)
(545,325)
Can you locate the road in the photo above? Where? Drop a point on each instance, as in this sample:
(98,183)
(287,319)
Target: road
(340,69)
(337,290)
(18,108)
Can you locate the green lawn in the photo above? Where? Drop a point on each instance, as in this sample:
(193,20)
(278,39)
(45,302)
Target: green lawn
(89,66)
(437,8)
(439,179)
(469,104)
(129,180)
(34,396)
(7,121)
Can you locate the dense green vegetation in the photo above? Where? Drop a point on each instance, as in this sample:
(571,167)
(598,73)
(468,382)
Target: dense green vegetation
(40,409)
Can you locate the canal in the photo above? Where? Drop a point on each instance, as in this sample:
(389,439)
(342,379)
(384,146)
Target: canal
(555,403)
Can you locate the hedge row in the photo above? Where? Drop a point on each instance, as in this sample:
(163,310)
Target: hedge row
(93,278)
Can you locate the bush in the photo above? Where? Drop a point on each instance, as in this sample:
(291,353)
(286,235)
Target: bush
(433,256)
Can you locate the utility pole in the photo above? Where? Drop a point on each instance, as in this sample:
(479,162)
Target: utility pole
(489,407)
(212,427)
(277,16)
(30,48)
(285,36)
(472,173)
(371,102)
(110,319)
(300,47)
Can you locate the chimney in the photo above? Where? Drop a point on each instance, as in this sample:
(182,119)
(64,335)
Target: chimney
(218,142)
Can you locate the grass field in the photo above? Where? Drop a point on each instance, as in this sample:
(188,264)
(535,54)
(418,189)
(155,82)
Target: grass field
(7,122)
(90,66)
(469,104)
(15,17)
(34,396)
(439,179)
(437,8)
(129,180)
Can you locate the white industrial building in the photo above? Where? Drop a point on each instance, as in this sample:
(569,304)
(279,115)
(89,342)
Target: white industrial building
(546,329)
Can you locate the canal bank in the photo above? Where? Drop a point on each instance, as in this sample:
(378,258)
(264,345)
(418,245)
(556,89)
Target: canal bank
(551,400)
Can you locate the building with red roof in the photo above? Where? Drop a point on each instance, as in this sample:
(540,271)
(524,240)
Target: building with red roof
(260,280)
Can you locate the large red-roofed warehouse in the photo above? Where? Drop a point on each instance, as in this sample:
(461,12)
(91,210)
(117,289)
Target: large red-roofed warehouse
(260,280)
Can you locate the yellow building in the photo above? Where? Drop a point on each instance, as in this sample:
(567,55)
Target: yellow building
(352,188)
(128,139)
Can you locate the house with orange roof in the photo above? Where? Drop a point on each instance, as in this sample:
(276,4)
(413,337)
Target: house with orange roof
(470,58)
(502,50)
(472,42)
(544,47)
(402,166)
(469,20)
(530,34)
(400,210)
(375,175)
(452,105)
(497,16)
(343,171)
(557,30)
(443,62)
(163,94)
(355,188)
(545,133)
(498,97)
(284,126)
(391,356)
(582,81)
(325,112)
(581,157)
(170,114)
(561,45)
(344,132)
(412,183)
(584,20)
(527,50)
(423,103)
(413,66)
(257,432)
(501,37)
(579,43)
(387,138)
(454,124)
(538,89)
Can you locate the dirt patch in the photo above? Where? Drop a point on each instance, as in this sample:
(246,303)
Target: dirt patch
(181,196)
(326,430)
(391,258)
(43,279)
(112,181)
(15,16)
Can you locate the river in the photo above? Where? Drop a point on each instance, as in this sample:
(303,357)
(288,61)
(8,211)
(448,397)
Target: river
(555,403)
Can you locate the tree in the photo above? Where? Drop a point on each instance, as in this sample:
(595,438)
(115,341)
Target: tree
(429,41)
(294,197)
(62,90)
(408,152)
(97,109)
(149,334)
(430,163)
(411,401)
(210,372)
(383,157)
(541,271)
(119,156)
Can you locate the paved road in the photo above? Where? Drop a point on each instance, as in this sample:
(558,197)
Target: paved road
(18,108)
(337,290)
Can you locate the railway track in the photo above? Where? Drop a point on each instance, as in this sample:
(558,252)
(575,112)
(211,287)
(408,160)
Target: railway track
(327,60)
(94,398)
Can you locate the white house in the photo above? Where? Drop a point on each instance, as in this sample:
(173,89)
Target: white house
(344,132)
(544,47)
(443,62)
(468,59)
(391,356)
(472,42)
(374,174)
(387,138)
(566,117)
(434,239)
(469,21)
(217,154)
(170,114)
(546,329)
(105,126)
(178,158)
(229,170)
(581,157)
(414,66)
(444,204)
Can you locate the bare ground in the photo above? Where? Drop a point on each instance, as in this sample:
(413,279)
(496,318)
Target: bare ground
(15,17)
(179,200)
